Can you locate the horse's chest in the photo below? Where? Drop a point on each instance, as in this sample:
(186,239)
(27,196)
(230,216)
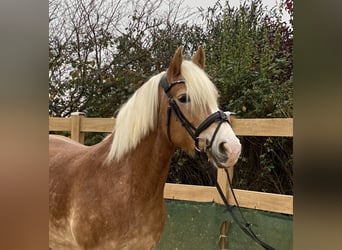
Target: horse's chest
(60,236)
(138,231)
(143,243)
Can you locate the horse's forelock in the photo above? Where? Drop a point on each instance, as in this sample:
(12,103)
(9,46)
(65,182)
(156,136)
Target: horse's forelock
(201,90)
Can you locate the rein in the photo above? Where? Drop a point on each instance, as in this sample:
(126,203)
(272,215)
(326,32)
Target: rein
(244,225)
(220,117)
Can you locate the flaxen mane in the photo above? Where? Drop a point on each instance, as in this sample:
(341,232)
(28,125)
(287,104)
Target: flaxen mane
(138,115)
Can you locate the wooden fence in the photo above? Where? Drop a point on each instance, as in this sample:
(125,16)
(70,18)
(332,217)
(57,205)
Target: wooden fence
(78,125)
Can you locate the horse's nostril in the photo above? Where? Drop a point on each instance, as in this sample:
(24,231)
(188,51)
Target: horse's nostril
(222,148)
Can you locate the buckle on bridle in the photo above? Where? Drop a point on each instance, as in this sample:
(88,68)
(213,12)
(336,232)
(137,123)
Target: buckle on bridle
(202,144)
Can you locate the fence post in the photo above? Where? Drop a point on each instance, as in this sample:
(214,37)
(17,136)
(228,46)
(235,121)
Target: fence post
(230,197)
(222,179)
(76,133)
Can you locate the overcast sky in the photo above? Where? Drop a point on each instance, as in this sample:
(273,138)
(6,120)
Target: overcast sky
(233,3)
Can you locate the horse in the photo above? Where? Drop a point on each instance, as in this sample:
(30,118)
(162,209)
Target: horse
(110,195)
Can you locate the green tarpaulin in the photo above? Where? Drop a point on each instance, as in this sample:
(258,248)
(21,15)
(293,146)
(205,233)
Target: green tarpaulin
(195,225)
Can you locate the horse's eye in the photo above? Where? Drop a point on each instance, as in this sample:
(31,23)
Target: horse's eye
(184,99)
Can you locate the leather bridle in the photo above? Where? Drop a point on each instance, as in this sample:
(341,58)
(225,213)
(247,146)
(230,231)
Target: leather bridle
(194,132)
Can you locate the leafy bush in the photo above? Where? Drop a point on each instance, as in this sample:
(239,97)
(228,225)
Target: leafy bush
(249,57)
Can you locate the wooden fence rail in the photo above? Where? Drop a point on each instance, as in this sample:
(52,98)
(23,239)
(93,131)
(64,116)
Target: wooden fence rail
(77,124)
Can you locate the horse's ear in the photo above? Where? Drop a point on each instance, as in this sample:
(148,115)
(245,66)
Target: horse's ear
(199,57)
(174,69)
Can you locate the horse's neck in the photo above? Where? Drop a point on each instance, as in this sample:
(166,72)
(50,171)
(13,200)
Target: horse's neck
(150,162)
(146,167)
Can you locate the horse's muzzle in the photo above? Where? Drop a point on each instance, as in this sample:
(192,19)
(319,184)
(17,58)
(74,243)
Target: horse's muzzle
(225,154)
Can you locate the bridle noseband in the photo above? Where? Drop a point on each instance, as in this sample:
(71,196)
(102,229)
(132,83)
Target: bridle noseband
(218,116)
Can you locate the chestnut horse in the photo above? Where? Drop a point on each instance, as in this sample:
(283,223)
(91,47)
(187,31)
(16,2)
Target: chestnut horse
(110,195)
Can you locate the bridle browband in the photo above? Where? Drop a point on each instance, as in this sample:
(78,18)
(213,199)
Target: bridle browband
(218,116)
